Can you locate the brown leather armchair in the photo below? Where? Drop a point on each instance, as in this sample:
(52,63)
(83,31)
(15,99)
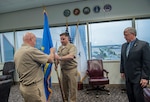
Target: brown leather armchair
(97,78)
(8,70)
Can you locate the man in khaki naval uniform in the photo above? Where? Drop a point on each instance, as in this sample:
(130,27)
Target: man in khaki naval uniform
(67,56)
(28,62)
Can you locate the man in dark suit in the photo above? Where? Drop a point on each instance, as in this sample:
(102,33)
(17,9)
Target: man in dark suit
(135,65)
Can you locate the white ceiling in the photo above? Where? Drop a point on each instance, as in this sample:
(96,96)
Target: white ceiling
(15,5)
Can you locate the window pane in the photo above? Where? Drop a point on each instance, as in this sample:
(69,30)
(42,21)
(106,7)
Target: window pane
(142,27)
(38,33)
(55,32)
(7,46)
(106,39)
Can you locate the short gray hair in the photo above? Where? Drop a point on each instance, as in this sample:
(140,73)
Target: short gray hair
(131,30)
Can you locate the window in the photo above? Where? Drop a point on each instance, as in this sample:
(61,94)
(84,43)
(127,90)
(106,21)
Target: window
(143,31)
(19,37)
(106,39)
(7,46)
(55,32)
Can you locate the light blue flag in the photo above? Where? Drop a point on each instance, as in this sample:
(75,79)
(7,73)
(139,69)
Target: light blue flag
(81,55)
(46,45)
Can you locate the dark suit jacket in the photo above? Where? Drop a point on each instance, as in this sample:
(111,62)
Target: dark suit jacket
(137,65)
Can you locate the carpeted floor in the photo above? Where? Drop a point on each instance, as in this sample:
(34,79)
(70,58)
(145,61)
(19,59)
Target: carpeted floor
(115,95)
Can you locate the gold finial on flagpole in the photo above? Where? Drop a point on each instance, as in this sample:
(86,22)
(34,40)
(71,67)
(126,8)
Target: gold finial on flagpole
(77,23)
(66,25)
(44,9)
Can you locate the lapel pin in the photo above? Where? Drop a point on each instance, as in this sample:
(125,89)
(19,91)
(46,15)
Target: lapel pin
(135,44)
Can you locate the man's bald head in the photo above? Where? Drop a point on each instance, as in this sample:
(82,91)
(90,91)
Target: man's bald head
(30,39)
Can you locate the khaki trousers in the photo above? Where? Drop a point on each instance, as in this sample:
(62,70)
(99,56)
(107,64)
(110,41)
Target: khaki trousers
(34,92)
(69,83)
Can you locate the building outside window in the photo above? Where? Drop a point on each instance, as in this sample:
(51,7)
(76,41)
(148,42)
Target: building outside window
(7,46)
(143,30)
(106,39)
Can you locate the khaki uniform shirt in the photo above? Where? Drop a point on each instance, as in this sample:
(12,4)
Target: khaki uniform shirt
(65,50)
(28,62)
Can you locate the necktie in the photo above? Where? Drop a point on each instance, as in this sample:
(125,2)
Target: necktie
(128,49)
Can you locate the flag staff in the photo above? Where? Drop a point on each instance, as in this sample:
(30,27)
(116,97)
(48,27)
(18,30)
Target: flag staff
(67,30)
(56,62)
(67,25)
(56,66)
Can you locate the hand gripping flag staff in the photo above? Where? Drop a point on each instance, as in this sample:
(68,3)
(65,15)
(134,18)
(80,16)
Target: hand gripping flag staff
(46,45)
